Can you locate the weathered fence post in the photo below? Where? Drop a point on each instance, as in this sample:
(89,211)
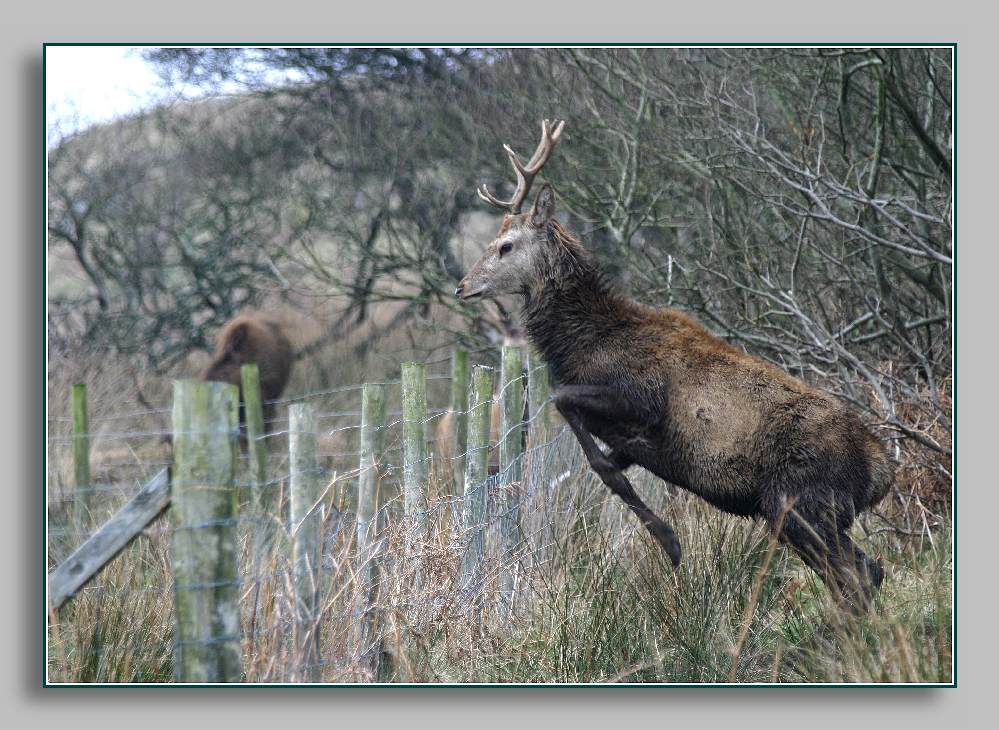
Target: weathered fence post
(372,441)
(204,539)
(537,516)
(264,497)
(459,411)
(511,446)
(253,409)
(476,498)
(305,529)
(538,392)
(414,442)
(81,452)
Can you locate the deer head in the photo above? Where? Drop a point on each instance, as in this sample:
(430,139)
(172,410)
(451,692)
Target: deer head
(517,256)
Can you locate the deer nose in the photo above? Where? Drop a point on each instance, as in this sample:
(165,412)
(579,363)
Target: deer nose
(459,290)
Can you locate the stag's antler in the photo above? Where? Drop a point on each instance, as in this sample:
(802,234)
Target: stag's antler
(550,133)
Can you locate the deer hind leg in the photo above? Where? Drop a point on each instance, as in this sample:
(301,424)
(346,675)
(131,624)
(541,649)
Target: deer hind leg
(818,536)
(576,403)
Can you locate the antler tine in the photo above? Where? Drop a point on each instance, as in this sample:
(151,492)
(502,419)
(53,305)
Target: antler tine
(525,173)
(524,180)
(550,133)
(549,138)
(491,199)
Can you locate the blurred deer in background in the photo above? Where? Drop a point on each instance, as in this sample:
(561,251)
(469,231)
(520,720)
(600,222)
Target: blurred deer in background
(253,337)
(664,393)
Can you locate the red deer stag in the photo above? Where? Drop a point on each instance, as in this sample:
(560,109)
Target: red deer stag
(253,337)
(664,393)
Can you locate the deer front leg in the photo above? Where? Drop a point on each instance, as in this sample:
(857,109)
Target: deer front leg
(575,403)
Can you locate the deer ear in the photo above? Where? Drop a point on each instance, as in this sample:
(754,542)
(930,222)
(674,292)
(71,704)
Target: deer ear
(544,206)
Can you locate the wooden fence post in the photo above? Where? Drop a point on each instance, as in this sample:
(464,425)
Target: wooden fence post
(372,443)
(414,441)
(263,493)
(538,392)
(305,519)
(537,517)
(459,411)
(81,452)
(476,498)
(204,540)
(511,447)
(264,497)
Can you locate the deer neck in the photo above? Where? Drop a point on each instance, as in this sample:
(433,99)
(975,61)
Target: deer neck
(570,315)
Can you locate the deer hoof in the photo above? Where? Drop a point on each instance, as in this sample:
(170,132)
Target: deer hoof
(674,553)
(667,539)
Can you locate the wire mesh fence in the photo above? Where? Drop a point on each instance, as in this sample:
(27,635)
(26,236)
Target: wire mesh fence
(355,581)
(386,538)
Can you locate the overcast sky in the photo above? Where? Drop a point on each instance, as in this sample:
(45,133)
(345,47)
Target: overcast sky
(86,85)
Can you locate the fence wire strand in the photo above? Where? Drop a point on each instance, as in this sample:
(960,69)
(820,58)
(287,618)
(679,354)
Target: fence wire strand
(411,573)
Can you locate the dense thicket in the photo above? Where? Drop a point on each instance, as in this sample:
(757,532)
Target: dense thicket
(799,201)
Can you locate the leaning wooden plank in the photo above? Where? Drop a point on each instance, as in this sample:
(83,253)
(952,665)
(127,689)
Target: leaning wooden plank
(88,559)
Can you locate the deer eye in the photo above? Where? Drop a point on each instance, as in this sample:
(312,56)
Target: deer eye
(506,248)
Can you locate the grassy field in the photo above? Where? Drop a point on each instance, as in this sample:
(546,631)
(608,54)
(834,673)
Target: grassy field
(595,601)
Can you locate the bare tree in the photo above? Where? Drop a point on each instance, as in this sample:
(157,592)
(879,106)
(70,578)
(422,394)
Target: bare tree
(173,222)
(797,200)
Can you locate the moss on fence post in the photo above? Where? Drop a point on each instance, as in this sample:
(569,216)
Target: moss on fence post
(414,442)
(372,444)
(538,392)
(81,453)
(459,412)
(306,488)
(263,494)
(511,446)
(476,498)
(207,641)
(536,518)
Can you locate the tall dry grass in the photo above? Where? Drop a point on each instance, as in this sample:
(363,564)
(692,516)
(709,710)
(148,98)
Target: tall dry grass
(595,601)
